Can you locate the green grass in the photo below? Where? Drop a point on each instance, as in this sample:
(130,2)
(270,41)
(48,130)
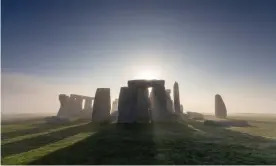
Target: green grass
(184,142)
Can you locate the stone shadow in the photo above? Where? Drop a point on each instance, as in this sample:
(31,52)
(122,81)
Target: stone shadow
(38,141)
(42,127)
(172,143)
(118,144)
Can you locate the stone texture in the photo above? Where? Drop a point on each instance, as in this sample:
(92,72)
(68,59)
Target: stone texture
(176,98)
(102,105)
(220,108)
(143,105)
(115,105)
(169,101)
(158,99)
(127,105)
(64,105)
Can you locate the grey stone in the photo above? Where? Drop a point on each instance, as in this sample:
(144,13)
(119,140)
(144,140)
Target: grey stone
(169,101)
(64,103)
(127,105)
(220,108)
(176,98)
(102,105)
(143,105)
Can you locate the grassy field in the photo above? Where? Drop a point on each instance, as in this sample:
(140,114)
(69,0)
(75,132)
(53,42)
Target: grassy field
(32,141)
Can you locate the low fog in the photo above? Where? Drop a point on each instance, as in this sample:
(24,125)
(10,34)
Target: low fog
(30,94)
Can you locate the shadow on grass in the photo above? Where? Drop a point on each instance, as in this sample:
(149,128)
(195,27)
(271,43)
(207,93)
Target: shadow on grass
(38,141)
(40,128)
(113,144)
(167,143)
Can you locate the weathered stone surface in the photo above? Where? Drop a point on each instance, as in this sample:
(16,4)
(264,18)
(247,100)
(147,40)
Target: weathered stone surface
(127,105)
(115,105)
(220,108)
(145,83)
(64,103)
(143,105)
(181,108)
(102,105)
(169,101)
(158,99)
(176,98)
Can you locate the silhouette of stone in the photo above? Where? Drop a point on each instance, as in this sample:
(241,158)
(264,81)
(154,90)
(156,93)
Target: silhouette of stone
(227,123)
(158,99)
(176,98)
(88,103)
(181,108)
(63,110)
(169,101)
(102,105)
(115,105)
(195,115)
(143,105)
(220,108)
(127,105)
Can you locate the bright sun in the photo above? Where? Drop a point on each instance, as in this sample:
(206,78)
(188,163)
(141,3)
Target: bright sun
(147,74)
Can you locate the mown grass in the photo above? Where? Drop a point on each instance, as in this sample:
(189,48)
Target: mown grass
(183,142)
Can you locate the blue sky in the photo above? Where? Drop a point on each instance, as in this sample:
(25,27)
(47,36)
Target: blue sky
(209,47)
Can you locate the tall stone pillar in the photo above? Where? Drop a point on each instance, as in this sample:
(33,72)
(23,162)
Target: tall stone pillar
(88,103)
(78,104)
(159,101)
(176,98)
(220,108)
(102,105)
(143,105)
(64,103)
(127,105)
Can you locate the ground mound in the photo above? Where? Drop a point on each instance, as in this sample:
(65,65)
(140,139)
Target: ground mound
(227,123)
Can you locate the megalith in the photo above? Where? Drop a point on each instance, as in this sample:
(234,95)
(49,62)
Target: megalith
(169,101)
(127,105)
(143,105)
(101,105)
(220,108)
(64,101)
(176,98)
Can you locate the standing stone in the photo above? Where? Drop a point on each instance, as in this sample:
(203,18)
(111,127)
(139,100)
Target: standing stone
(88,104)
(102,105)
(64,103)
(220,108)
(126,105)
(143,105)
(159,101)
(176,97)
(181,108)
(169,101)
(114,105)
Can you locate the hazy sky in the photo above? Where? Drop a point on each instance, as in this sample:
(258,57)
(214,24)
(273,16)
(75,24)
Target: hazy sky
(75,46)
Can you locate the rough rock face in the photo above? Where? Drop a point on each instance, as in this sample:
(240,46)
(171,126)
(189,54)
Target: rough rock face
(220,108)
(142,105)
(102,105)
(127,101)
(158,100)
(169,101)
(63,110)
(176,98)
(115,105)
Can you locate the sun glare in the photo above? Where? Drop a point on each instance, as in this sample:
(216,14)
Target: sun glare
(147,74)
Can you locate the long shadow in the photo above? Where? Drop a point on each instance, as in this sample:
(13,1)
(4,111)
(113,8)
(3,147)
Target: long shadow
(36,142)
(114,144)
(40,128)
(136,145)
